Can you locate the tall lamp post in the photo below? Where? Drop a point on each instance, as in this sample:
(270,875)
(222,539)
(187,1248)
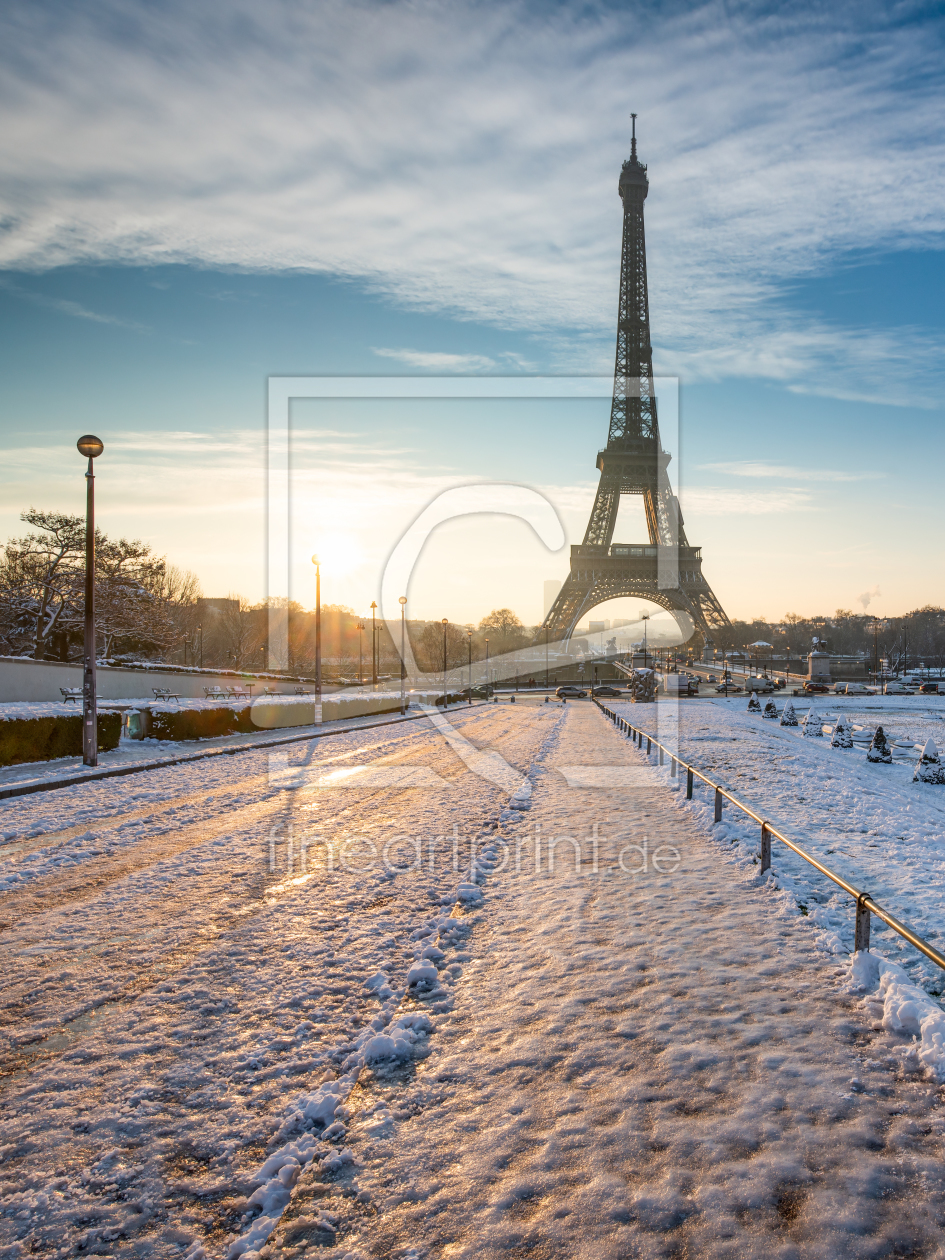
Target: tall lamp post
(488,679)
(91,447)
(360,652)
(546,658)
(318,634)
(200,638)
(374,645)
(469,641)
(645,618)
(403,654)
(445,623)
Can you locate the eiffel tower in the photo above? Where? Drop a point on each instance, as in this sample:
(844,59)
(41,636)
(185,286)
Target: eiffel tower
(666,569)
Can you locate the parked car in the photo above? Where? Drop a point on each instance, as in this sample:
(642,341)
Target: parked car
(570,692)
(816,689)
(606,690)
(897,689)
(478,693)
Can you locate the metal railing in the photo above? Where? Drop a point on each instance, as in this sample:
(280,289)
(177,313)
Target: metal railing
(865,904)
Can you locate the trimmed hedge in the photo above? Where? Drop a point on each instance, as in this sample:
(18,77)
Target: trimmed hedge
(58,735)
(177,724)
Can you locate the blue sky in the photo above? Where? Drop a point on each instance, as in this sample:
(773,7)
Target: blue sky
(192,201)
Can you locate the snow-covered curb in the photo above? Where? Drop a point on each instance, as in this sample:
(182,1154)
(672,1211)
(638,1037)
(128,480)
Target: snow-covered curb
(899,1006)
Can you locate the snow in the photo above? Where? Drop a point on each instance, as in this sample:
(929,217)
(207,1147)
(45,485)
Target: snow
(465,1045)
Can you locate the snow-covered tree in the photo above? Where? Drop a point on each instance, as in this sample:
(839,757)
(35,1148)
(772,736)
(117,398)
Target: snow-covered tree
(929,768)
(771,710)
(753,705)
(842,736)
(879,749)
(788,716)
(813,725)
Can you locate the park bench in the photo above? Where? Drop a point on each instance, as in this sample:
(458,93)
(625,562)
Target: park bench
(71,693)
(240,693)
(214,693)
(165,693)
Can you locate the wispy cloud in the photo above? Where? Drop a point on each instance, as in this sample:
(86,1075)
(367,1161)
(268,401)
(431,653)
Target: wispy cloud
(463,157)
(719,501)
(436,361)
(786,472)
(65,306)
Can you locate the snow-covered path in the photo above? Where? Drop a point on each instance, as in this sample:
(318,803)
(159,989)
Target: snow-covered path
(198,1033)
(658,1064)
(172,981)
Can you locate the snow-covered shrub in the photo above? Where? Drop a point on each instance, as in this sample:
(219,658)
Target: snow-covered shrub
(753,704)
(930,768)
(44,738)
(171,723)
(879,749)
(788,716)
(771,710)
(812,725)
(842,735)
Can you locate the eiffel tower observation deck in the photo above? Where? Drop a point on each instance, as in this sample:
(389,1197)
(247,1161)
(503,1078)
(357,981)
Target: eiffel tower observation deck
(665,568)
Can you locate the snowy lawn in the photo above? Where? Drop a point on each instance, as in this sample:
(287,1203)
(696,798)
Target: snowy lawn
(871,823)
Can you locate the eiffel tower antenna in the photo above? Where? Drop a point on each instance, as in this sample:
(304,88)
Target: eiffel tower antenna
(665,569)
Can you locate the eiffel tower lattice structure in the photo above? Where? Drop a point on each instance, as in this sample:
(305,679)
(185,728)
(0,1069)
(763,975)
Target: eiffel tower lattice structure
(665,569)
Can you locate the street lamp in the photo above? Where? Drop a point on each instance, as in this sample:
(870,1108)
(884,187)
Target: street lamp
(469,641)
(403,654)
(644,618)
(445,624)
(546,656)
(488,679)
(91,447)
(360,652)
(373,645)
(318,634)
(200,638)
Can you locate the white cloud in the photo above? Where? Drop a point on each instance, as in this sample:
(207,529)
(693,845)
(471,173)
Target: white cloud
(719,501)
(436,361)
(464,157)
(761,468)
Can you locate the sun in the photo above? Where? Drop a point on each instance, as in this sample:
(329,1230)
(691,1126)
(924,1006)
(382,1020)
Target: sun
(338,553)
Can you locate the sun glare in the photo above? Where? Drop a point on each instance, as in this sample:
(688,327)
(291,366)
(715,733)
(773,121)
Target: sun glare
(339,553)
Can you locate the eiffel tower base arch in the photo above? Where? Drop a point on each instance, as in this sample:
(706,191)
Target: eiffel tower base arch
(595,579)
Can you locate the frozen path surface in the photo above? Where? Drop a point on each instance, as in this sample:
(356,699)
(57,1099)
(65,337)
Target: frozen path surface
(660,1064)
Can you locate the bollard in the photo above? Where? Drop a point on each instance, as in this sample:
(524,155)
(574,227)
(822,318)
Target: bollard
(861,937)
(672,767)
(661,755)
(689,784)
(765,848)
(718,804)
(513,699)
(648,745)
